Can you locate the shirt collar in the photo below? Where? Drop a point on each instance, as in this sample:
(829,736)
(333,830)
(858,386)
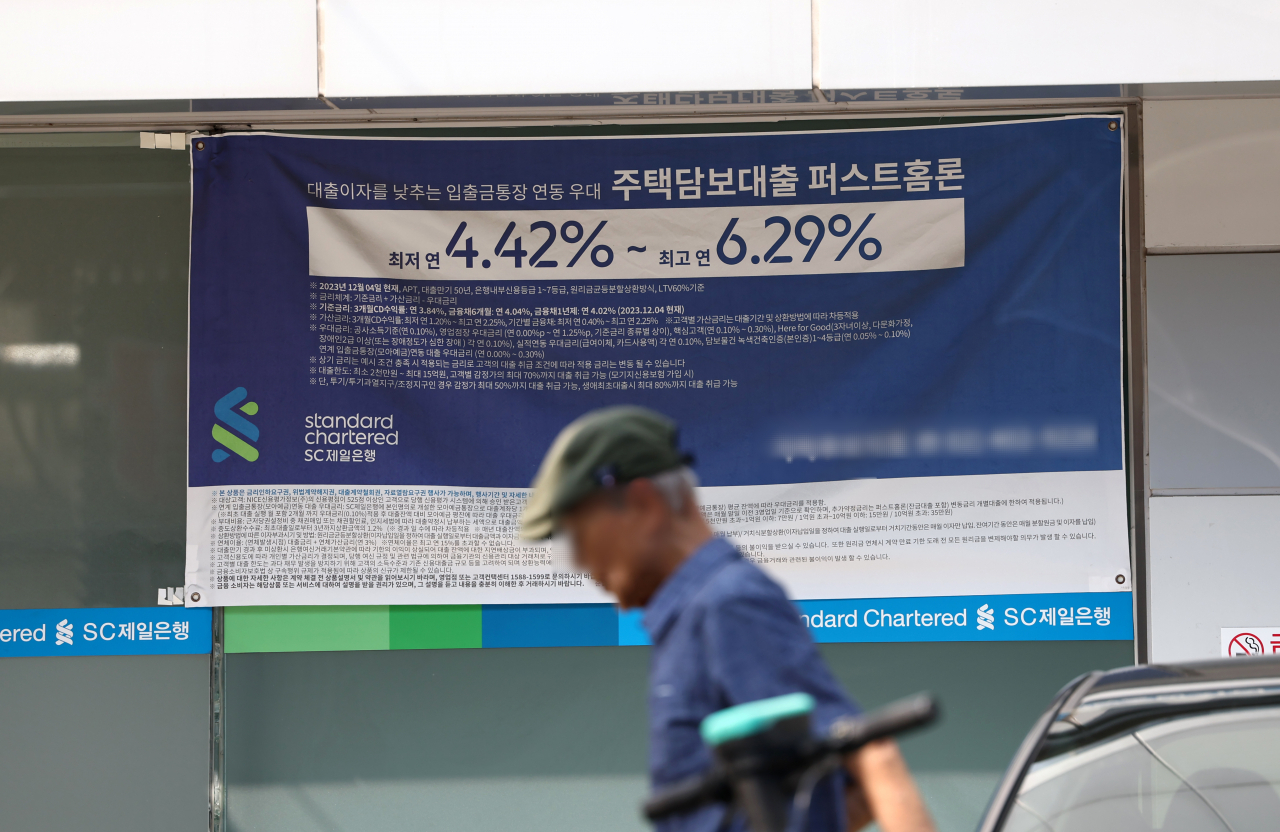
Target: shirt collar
(666,604)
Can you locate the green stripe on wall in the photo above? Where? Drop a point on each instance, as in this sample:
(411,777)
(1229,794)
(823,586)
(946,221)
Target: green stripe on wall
(306,629)
(333,628)
(435,627)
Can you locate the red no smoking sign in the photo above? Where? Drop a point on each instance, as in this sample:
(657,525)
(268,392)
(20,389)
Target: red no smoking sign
(1250,641)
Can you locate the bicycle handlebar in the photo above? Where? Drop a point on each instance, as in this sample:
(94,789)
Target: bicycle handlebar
(689,794)
(851,734)
(847,735)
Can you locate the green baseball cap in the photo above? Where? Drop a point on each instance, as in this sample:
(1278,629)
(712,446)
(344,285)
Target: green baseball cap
(598,450)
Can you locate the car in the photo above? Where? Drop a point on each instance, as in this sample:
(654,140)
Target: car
(1189,747)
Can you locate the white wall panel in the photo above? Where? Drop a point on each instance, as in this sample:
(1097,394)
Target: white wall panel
(487,47)
(80,50)
(1213,370)
(969,43)
(1213,171)
(1215,562)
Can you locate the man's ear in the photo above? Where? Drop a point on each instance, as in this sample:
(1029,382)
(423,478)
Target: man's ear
(644,496)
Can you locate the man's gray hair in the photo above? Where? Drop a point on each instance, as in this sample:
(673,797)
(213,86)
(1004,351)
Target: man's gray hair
(676,486)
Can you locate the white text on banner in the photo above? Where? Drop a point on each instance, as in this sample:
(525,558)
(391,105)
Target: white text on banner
(962,535)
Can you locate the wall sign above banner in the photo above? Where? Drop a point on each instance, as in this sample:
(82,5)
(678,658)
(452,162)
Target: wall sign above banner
(99,631)
(895,352)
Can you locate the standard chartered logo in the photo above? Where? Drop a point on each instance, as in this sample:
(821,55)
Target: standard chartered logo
(986,618)
(63,632)
(223,409)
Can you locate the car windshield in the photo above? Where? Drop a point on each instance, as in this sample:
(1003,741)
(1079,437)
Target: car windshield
(1201,773)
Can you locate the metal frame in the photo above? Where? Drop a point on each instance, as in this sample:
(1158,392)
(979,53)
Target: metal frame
(217,727)
(1166,251)
(1261,491)
(1137,447)
(215,122)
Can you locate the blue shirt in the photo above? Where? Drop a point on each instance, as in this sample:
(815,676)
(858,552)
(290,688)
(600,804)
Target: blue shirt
(724,633)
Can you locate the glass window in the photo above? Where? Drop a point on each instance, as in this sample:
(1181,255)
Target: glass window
(1192,774)
(93,330)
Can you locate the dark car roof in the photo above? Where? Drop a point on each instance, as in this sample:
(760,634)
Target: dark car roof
(1103,704)
(1218,670)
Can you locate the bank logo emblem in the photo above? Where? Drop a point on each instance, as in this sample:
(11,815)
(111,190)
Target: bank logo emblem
(64,633)
(986,618)
(229,417)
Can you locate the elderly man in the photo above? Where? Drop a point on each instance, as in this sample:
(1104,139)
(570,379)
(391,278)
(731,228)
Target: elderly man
(616,483)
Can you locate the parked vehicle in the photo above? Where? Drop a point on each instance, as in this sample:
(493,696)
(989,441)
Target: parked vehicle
(1177,748)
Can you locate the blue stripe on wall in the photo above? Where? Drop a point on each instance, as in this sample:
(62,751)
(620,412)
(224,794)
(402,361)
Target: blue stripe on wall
(1081,616)
(631,631)
(541,625)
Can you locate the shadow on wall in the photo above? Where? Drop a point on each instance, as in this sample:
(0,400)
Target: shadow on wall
(531,804)
(555,738)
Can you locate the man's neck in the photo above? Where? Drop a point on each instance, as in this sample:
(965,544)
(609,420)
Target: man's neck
(688,536)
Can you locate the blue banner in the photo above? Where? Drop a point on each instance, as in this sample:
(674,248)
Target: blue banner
(119,631)
(1071,616)
(1027,330)
(895,352)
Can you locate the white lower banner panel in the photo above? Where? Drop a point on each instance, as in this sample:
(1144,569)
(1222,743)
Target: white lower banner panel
(918,536)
